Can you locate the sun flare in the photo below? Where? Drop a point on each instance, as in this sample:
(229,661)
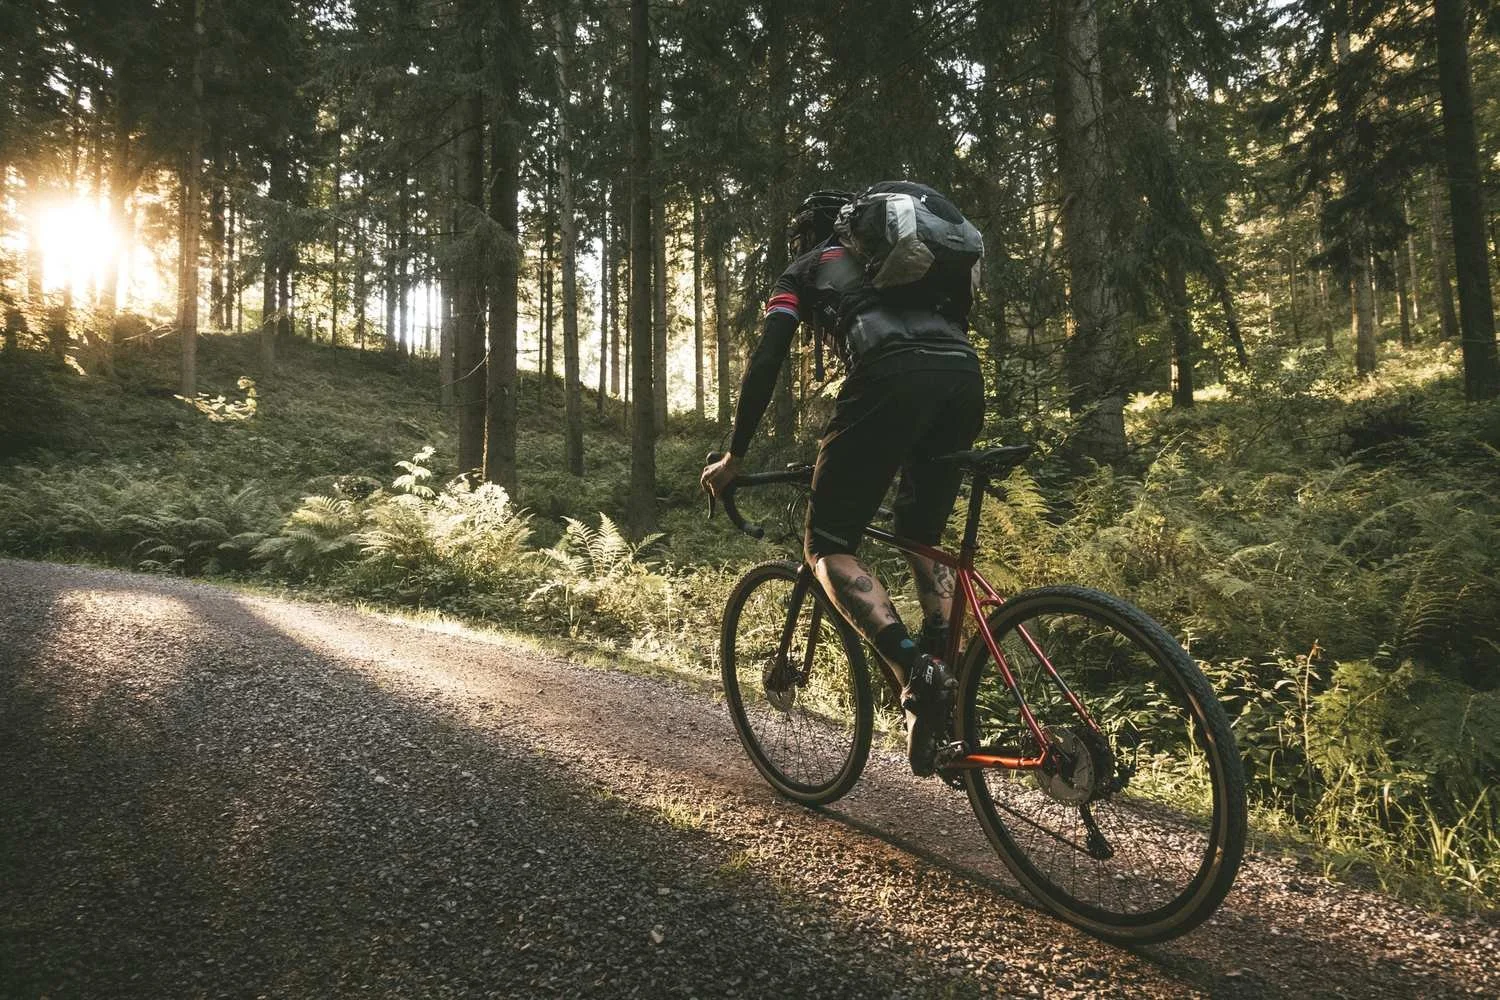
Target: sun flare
(77,241)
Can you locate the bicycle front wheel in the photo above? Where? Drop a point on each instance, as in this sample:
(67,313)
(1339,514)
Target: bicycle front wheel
(804,716)
(1135,833)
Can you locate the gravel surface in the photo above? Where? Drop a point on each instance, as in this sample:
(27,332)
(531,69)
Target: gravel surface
(209,794)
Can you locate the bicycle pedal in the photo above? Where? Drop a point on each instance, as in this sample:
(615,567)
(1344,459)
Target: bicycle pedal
(946,755)
(948,752)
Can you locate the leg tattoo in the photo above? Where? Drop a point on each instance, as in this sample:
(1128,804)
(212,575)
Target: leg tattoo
(936,584)
(857,594)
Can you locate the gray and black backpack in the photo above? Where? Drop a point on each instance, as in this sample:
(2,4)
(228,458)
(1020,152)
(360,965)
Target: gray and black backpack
(920,257)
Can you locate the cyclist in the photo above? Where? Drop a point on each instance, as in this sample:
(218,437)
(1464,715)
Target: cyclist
(912,392)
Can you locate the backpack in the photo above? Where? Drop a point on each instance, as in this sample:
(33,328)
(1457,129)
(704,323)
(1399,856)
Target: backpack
(902,232)
(915,260)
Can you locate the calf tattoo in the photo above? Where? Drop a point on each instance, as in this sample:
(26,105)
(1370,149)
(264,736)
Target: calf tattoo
(852,594)
(935,584)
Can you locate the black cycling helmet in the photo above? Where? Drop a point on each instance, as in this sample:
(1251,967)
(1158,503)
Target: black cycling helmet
(813,221)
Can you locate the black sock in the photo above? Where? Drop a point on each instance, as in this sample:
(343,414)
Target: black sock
(894,643)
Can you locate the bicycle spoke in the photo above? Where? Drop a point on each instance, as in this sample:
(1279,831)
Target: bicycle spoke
(796,697)
(1135,824)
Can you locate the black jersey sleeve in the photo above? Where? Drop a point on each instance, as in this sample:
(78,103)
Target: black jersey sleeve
(783,312)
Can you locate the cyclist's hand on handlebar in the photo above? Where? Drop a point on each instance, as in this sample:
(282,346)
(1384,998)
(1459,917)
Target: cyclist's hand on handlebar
(718,475)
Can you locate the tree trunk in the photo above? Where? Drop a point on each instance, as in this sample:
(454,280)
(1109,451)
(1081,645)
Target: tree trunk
(1403,294)
(268,318)
(720,254)
(659,375)
(614,302)
(1182,334)
(642,505)
(1291,296)
(1411,261)
(1178,321)
(697,309)
(1466,203)
(549,207)
(362,291)
(1097,392)
(403,261)
(779,88)
(389,263)
(500,427)
(572,375)
(232,269)
(192,209)
(1362,301)
(216,299)
(468,306)
(336,274)
(121,180)
(605,291)
(1442,287)
(35,200)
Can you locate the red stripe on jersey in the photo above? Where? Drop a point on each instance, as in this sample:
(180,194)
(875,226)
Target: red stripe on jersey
(783,302)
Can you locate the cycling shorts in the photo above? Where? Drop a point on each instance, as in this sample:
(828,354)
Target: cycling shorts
(893,417)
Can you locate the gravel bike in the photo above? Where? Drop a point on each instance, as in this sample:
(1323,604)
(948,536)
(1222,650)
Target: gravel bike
(1094,752)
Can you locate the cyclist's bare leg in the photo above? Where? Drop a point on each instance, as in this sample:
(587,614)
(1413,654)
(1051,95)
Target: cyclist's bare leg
(936,584)
(859,597)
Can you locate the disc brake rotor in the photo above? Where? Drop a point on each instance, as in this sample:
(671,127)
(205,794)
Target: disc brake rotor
(779,685)
(1073,775)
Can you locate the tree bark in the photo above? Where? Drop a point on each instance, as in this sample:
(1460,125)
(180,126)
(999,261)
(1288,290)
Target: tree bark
(659,376)
(468,307)
(403,262)
(720,253)
(268,318)
(1442,286)
(1362,303)
(1411,261)
(1097,392)
(697,309)
(121,181)
(614,299)
(192,224)
(1403,295)
(1178,321)
(779,86)
(605,320)
(642,505)
(572,375)
(336,274)
(362,293)
(216,300)
(500,423)
(1466,203)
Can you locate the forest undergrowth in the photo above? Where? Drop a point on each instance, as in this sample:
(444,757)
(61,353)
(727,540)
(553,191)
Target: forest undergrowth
(1328,549)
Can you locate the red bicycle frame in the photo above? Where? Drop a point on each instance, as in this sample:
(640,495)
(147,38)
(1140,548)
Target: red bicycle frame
(978,596)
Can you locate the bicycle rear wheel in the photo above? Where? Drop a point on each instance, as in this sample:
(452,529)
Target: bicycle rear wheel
(1138,834)
(805,720)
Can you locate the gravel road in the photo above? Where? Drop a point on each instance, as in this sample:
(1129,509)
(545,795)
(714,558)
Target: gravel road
(208,794)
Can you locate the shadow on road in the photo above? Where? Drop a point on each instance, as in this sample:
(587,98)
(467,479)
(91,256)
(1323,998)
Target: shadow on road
(202,799)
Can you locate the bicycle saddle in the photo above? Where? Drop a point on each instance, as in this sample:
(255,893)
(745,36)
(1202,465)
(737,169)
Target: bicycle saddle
(994,462)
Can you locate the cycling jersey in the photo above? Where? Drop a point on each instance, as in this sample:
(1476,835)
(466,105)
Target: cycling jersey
(911,394)
(826,287)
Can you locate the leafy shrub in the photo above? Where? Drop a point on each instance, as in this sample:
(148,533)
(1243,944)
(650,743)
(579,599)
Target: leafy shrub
(411,543)
(318,537)
(114,513)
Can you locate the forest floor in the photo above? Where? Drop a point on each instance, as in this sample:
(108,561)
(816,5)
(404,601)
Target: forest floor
(212,793)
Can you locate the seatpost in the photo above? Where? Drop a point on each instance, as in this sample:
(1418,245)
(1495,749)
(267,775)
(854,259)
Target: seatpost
(970,545)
